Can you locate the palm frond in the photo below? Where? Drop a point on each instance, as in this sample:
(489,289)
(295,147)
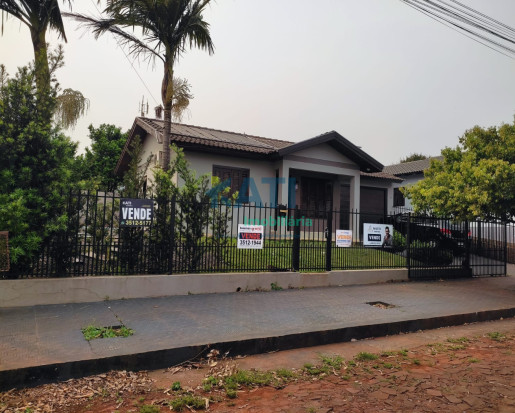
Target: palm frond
(100,26)
(13,8)
(71,105)
(181,98)
(55,19)
(36,14)
(169,25)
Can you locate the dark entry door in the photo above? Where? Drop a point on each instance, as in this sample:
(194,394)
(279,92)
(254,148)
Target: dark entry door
(373,204)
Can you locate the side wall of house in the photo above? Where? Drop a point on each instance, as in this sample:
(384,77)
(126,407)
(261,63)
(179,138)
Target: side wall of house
(408,180)
(151,147)
(260,171)
(323,152)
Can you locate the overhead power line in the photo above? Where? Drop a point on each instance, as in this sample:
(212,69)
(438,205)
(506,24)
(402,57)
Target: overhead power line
(472,23)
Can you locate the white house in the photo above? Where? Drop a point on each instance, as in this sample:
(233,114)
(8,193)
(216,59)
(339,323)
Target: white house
(411,173)
(324,172)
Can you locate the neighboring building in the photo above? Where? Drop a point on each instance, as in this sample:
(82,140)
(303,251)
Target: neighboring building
(411,173)
(321,173)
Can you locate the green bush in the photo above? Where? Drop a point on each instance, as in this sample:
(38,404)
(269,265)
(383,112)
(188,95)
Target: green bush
(36,168)
(188,401)
(399,240)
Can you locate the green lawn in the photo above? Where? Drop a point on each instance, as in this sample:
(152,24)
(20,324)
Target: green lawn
(277,256)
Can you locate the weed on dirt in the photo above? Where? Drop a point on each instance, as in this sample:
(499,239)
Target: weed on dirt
(452,375)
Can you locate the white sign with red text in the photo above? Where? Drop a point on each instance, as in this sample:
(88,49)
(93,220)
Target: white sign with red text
(250,236)
(344,238)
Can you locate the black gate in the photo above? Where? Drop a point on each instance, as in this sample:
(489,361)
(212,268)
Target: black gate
(489,248)
(441,248)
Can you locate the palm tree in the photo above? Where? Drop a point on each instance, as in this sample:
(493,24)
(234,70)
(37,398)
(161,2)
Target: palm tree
(168,27)
(38,16)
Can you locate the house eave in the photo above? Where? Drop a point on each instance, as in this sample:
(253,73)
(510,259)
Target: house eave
(192,147)
(141,129)
(365,162)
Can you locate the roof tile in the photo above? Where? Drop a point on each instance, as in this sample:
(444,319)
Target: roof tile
(218,138)
(382,175)
(410,167)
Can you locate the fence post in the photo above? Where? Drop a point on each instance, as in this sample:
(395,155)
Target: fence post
(467,247)
(408,246)
(329,241)
(505,248)
(172,235)
(295,254)
(479,241)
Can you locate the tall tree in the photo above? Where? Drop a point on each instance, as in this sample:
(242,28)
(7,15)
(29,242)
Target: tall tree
(168,28)
(39,16)
(475,180)
(413,157)
(99,161)
(35,168)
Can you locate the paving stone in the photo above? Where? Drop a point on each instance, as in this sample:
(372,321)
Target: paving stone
(475,390)
(390,391)
(452,399)
(473,401)
(379,395)
(353,390)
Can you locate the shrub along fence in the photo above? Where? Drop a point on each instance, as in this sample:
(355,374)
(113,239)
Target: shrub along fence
(110,235)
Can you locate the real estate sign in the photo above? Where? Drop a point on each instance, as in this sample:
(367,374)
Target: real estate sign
(136,212)
(250,236)
(343,238)
(377,235)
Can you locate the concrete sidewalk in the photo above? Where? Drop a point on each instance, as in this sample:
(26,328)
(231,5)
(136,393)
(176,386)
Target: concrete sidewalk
(45,343)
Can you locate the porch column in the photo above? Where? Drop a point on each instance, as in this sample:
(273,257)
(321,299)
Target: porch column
(355,184)
(284,173)
(337,184)
(354,219)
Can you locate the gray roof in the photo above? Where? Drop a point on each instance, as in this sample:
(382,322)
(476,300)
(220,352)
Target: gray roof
(381,175)
(413,167)
(216,138)
(197,138)
(342,145)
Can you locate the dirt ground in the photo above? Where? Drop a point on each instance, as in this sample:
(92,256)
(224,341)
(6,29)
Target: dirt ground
(459,369)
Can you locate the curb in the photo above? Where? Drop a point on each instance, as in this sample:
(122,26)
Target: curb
(37,375)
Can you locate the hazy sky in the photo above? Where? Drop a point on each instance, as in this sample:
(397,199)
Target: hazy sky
(381,74)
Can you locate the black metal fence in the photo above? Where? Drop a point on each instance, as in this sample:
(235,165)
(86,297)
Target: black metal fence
(186,238)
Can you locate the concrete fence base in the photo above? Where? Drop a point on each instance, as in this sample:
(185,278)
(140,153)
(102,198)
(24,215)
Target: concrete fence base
(21,293)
